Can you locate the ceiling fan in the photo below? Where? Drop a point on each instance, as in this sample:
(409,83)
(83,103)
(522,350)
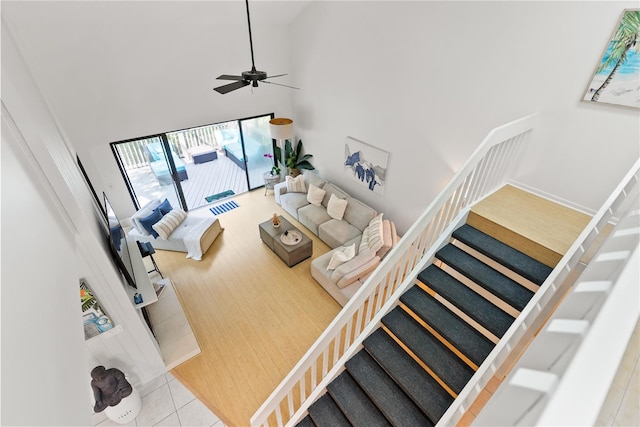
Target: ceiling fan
(247,77)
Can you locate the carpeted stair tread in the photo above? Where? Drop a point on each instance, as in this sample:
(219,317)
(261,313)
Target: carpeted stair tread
(425,391)
(354,402)
(479,309)
(396,406)
(446,365)
(463,336)
(513,259)
(324,412)
(492,280)
(307,422)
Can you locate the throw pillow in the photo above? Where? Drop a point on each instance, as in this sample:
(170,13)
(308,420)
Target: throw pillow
(342,255)
(144,211)
(364,240)
(376,233)
(165,207)
(315,195)
(169,222)
(336,207)
(296,185)
(148,221)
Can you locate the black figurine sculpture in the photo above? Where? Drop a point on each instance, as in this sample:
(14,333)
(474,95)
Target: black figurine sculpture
(109,387)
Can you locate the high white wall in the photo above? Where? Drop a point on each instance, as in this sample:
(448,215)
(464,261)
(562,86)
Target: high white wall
(424,80)
(50,239)
(43,376)
(119,70)
(427,81)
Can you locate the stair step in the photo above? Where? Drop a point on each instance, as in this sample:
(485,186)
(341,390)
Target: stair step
(511,258)
(430,397)
(463,336)
(493,281)
(479,309)
(442,361)
(396,406)
(324,412)
(354,402)
(307,422)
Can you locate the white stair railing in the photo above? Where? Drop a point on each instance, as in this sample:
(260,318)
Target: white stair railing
(565,374)
(488,168)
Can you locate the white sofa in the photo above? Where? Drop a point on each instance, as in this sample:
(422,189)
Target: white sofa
(334,232)
(343,281)
(192,234)
(362,237)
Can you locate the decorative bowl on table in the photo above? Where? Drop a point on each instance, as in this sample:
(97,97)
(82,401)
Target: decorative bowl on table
(291,237)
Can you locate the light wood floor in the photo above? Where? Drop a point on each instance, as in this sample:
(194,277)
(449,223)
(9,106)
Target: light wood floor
(253,317)
(542,229)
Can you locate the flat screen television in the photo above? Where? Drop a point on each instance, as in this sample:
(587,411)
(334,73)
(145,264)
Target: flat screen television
(118,244)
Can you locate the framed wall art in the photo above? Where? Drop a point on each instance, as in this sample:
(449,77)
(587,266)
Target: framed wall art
(94,318)
(616,79)
(366,164)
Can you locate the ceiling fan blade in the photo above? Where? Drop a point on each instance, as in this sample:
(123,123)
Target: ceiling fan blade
(228,77)
(277,75)
(231,86)
(278,84)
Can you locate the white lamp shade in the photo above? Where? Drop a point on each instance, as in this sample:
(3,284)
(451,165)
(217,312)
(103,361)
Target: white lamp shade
(281,128)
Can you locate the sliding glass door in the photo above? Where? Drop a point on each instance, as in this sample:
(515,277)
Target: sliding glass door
(150,171)
(197,166)
(257,144)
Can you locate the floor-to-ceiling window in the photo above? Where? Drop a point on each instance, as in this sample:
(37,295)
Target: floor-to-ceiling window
(197,166)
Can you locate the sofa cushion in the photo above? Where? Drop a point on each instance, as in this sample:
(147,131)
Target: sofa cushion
(358,214)
(390,238)
(363,259)
(336,207)
(169,222)
(291,202)
(296,185)
(336,233)
(315,195)
(330,189)
(361,273)
(341,255)
(311,216)
(312,178)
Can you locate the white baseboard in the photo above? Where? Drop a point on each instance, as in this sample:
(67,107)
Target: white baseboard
(552,198)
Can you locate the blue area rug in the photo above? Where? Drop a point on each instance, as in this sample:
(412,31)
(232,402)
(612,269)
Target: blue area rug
(219,196)
(223,207)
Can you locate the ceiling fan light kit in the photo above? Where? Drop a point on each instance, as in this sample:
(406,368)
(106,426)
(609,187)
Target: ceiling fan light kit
(247,77)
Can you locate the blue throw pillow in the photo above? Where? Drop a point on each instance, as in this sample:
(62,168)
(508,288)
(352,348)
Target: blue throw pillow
(148,222)
(164,207)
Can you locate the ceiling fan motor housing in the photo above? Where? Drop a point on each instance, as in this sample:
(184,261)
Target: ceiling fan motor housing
(254,76)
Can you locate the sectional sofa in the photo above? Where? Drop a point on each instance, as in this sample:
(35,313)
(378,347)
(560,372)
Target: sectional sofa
(358,235)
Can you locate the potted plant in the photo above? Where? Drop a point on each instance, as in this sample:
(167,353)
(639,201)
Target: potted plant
(275,170)
(294,159)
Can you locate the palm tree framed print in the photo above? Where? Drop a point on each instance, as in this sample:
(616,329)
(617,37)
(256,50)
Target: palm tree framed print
(617,76)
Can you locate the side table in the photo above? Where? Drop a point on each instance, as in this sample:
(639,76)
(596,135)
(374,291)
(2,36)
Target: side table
(270,181)
(146,250)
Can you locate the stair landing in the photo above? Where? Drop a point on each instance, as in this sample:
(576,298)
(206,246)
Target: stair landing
(540,228)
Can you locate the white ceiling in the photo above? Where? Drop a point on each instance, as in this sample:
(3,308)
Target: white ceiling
(217,12)
(102,62)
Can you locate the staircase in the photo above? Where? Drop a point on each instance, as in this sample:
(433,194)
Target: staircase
(413,366)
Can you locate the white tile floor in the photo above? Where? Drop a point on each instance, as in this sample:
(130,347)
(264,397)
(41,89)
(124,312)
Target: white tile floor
(166,402)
